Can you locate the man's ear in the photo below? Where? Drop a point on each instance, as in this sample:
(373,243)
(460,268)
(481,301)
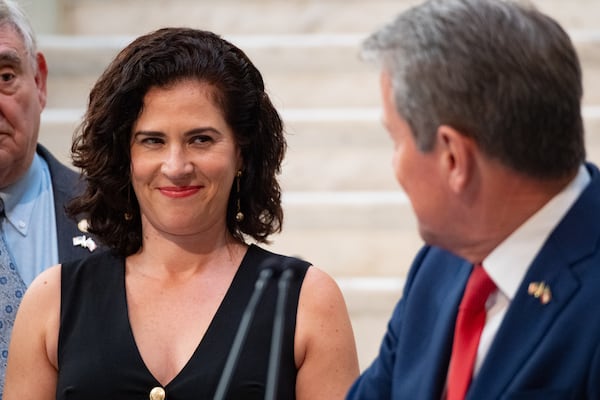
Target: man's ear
(41,78)
(457,157)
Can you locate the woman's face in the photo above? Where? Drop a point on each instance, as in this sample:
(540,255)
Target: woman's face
(184,159)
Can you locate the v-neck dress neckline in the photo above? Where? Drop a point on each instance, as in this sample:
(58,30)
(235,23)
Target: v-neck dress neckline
(98,357)
(221,309)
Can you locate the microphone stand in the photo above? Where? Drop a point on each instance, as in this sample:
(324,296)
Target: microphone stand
(240,337)
(277,338)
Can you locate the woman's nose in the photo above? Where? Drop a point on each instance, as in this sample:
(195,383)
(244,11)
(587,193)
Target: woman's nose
(177,164)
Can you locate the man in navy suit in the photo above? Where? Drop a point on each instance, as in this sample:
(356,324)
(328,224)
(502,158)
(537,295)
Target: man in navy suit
(34,186)
(482,101)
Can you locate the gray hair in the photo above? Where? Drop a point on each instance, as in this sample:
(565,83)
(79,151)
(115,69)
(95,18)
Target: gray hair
(12,15)
(501,73)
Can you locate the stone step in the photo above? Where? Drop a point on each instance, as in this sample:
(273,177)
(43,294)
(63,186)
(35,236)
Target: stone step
(344,211)
(342,149)
(252,16)
(301,71)
(360,251)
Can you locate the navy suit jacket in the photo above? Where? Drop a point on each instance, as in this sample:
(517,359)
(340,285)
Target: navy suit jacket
(549,351)
(66,184)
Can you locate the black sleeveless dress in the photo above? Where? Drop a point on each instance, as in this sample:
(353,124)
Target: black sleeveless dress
(98,358)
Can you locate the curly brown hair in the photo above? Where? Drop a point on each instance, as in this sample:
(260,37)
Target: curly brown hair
(101,146)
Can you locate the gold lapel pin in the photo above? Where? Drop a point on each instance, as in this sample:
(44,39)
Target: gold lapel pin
(541,291)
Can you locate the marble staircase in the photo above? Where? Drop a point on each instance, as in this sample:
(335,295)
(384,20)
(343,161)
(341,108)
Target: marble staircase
(344,210)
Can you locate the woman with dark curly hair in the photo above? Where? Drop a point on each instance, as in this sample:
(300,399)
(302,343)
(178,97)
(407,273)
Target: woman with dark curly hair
(180,148)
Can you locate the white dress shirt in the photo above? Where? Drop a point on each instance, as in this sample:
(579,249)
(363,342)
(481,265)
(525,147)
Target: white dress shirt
(507,264)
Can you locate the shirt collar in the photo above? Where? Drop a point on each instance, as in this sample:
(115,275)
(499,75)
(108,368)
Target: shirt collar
(509,261)
(19,198)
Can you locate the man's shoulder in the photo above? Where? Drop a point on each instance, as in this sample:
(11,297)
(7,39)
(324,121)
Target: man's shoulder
(436,267)
(65,181)
(436,255)
(56,167)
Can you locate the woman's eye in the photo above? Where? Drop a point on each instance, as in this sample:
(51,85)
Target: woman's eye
(152,140)
(201,139)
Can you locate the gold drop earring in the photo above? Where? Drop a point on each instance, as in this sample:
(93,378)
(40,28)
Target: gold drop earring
(239,216)
(128,214)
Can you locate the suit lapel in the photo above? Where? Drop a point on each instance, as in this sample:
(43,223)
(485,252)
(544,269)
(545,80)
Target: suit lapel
(528,320)
(442,348)
(65,185)
(525,324)
(424,346)
(437,355)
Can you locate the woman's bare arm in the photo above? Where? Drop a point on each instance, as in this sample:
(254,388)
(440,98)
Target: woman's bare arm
(325,346)
(32,357)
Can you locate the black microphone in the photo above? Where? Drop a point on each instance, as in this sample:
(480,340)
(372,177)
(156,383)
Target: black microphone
(283,285)
(259,287)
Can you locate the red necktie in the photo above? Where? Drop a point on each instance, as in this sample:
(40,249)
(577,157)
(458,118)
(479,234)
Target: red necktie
(469,324)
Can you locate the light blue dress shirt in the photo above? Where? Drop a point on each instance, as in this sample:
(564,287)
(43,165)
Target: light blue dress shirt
(30,223)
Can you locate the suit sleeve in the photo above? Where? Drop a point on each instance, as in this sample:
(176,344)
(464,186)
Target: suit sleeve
(376,381)
(593,390)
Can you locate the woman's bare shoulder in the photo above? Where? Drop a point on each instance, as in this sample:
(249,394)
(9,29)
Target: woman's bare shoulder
(47,281)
